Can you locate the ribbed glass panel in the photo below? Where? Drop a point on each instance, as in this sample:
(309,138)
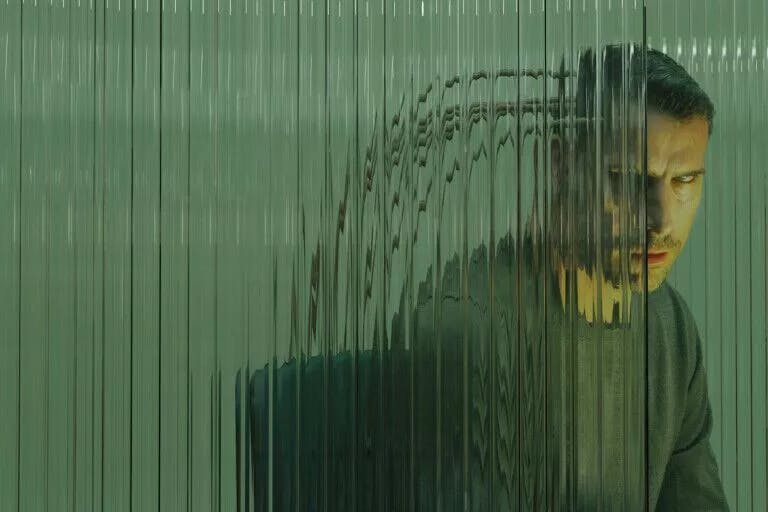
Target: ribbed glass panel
(372,255)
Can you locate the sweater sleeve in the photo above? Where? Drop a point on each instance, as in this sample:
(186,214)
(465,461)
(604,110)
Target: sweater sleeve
(692,479)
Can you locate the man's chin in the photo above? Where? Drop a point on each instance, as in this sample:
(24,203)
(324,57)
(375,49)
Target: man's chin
(654,284)
(656,278)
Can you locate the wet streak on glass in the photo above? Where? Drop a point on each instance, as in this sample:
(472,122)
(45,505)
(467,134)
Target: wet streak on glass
(384,395)
(429,67)
(98,273)
(222,384)
(82,37)
(117,211)
(366,191)
(607,359)
(558,88)
(145,256)
(339,241)
(11,104)
(742,275)
(174,111)
(58,255)
(260,345)
(502,119)
(203,268)
(531,248)
(758,260)
(33,390)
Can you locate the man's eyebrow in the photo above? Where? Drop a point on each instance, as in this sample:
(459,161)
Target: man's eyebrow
(695,172)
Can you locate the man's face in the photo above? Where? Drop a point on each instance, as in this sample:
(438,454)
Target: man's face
(676,151)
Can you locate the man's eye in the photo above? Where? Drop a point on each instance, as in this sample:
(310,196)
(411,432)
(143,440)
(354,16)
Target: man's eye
(687,178)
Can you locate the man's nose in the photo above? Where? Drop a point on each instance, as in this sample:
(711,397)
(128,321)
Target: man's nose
(659,224)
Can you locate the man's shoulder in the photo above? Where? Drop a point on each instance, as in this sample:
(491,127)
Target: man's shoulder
(672,328)
(668,306)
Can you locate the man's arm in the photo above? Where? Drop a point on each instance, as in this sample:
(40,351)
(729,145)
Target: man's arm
(692,479)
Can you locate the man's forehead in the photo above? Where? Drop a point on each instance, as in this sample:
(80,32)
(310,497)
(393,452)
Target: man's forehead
(679,142)
(675,144)
(672,133)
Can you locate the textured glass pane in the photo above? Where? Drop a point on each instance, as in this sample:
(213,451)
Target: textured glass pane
(327,255)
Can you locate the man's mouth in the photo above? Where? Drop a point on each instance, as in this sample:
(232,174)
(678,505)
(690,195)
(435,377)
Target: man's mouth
(655,258)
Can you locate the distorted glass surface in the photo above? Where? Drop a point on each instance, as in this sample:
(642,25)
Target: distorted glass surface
(316,255)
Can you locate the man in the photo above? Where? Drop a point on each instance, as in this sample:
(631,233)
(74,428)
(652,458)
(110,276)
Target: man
(683,474)
(517,388)
(679,123)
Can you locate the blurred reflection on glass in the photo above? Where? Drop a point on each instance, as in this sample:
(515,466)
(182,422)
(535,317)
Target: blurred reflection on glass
(569,430)
(519,386)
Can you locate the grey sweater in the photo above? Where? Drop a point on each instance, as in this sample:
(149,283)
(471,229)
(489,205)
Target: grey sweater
(465,404)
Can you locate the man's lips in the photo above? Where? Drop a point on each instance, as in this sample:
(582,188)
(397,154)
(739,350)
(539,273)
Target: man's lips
(655,258)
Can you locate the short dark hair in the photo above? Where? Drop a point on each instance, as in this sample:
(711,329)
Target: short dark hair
(672,91)
(669,88)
